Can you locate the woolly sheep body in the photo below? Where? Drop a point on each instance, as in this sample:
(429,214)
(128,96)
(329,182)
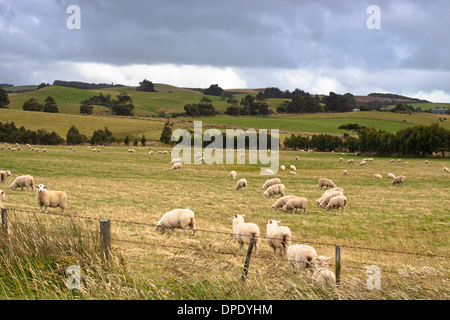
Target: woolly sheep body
(23,181)
(244,231)
(377,176)
(399,180)
(351,161)
(176,160)
(293,168)
(318,201)
(323,182)
(326,199)
(176,166)
(282,168)
(282,201)
(293,173)
(271,182)
(337,202)
(241,184)
(233,175)
(300,256)
(446,169)
(4,175)
(391,176)
(278,237)
(295,204)
(52,199)
(273,190)
(176,218)
(323,277)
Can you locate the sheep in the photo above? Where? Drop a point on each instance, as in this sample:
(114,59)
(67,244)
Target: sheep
(327,183)
(293,173)
(177,218)
(304,257)
(377,176)
(362,163)
(399,180)
(282,168)
(131,151)
(268,172)
(351,161)
(273,190)
(345,172)
(295,204)
(241,184)
(244,231)
(323,277)
(44,150)
(270,183)
(446,169)
(327,192)
(341,159)
(176,160)
(399,160)
(326,199)
(282,201)
(2,197)
(426,161)
(150,152)
(21,182)
(392,160)
(293,168)
(296,158)
(4,175)
(278,237)
(233,175)
(337,202)
(391,176)
(176,166)
(52,199)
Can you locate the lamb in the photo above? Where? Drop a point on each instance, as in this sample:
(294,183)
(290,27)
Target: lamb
(304,257)
(295,204)
(337,202)
(278,237)
(282,201)
(326,199)
(391,176)
(270,183)
(399,180)
(377,176)
(177,218)
(4,175)
(318,201)
(21,182)
(233,175)
(131,151)
(273,190)
(52,199)
(327,183)
(323,277)
(241,184)
(176,166)
(244,231)
(446,169)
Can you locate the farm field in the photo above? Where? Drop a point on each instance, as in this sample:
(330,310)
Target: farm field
(407,225)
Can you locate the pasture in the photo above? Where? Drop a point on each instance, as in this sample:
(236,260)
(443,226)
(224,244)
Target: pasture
(139,188)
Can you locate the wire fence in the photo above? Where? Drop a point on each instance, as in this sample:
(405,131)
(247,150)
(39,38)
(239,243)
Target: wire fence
(230,236)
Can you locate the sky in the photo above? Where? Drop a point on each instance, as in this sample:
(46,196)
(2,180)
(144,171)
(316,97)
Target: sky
(319,46)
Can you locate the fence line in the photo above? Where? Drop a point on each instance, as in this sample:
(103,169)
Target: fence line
(231,234)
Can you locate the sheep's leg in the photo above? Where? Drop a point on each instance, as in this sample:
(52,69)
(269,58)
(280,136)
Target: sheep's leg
(41,208)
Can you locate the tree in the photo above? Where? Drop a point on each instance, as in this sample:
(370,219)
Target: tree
(143,141)
(42,85)
(166,133)
(75,137)
(50,105)
(213,90)
(32,105)
(86,108)
(102,137)
(123,106)
(4,99)
(146,86)
(126,141)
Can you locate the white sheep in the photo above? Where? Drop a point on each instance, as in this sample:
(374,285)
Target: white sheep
(233,175)
(23,181)
(318,201)
(176,218)
(377,176)
(304,257)
(244,231)
(351,161)
(327,183)
(150,152)
(293,168)
(282,201)
(337,202)
(326,199)
(295,204)
(391,176)
(176,166)
(241,184)
(293,173)
(268,172)
(341,159)
(282,168)
(399,180)
(131,151)
(273,190)
(323,277)
(362,163)
(4,175)
(345,172)
(392,160)
(278,237)
(270,183)
(176,160)
(446,169)
(52,199)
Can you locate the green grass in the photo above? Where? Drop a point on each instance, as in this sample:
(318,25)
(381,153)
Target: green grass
(139,187)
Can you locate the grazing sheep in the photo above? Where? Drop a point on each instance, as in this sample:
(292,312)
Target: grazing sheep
(326,199)
(176,160)
(177,218)
(293,168)
(337,202)
(391,176)
(241,184)
(244,231)
(362,163)
(392,160)
(446,169)
(318,201)
(327,183)
(296,158)
(399,160)
(278,237)
(341,159)
(52,199)
(323,277)
(351,161)
(295,204)
(176,166)
(273,190)
(4,175)
(399,180)
(233,175)
(293,173)
(21,182)
(270,183)
(345,172)
(282,168)
(150,152)
(268,172)
(426,161)
(304,257)
(282,201)
(377,176)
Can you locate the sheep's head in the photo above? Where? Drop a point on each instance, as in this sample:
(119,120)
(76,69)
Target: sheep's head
(2,194)
(238,218)
(272,223)
(41,187)
(160,228)
(320,262)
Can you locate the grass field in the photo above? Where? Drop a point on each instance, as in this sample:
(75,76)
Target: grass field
(139,188)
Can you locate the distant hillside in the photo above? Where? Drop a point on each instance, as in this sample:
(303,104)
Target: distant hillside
(392,96)
(85,85)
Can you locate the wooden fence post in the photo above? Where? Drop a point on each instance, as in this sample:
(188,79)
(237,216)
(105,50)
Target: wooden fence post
(338,264)
(4,220)
(105,237)
(247,259)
